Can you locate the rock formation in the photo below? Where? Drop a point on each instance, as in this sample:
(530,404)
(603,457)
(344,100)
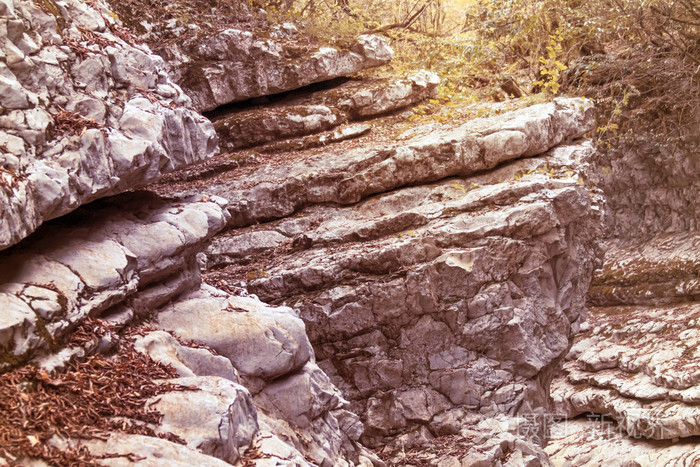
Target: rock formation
(634,369)
(87,113)
(294,116)
(352,283)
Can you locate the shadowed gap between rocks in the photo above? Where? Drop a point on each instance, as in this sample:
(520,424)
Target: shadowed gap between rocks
(265,101)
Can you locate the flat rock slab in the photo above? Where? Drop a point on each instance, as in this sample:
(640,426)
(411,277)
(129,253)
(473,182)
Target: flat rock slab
(275,190)
(595,441)
(663,270)
(86,115)
(119,450)
(637,362)
(312,112)
(638,366)
(98,258)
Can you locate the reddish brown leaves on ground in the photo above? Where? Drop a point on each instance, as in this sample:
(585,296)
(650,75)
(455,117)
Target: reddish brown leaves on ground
(82,402)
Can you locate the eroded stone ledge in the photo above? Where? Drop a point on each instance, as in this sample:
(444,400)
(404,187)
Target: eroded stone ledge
(85,115)
(100,257)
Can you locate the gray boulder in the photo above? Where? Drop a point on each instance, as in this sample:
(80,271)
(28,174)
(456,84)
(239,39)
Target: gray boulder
(216,417)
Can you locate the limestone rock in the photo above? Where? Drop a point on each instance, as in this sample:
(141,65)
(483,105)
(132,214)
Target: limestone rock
(86,115)
(270,451)
(296,401)
(499,441)
(250,128)
(217,417)
(261,341)
(638,366)
(188,361)
(99,258)
(592,442)
(663,270)
(342,133)
(272,191)
(146,451)
(651,188)
(307,409)
(636,363)
(378,281)
(389,96)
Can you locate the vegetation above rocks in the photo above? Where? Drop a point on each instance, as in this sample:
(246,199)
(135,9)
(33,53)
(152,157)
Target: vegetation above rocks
(639,59)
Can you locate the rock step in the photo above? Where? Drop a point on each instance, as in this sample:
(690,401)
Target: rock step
(662,270)
(637,366)
(233,65)
(288,396)
(637,362)
(261,193)
(592,442)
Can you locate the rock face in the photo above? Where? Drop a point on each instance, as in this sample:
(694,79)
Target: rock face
(415,295)
(377,282)
(137,253)
(651,188)
(85,114)
(276,190)
(234,65)
(592,442)
(269,349)
(637,361)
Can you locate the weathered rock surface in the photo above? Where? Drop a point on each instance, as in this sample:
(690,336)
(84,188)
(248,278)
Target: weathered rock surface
(217,417)
(637,362)
(268,346)
(600,442)
(187,361)
(318,111)
(146,451)
(661,271)
(129,254)
(85,114)
(482,260)
(651,188)
(253,127)
(233,65)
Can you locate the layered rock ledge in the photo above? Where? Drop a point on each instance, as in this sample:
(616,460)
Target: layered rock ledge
(233,65)
(315,111)
(637,361)
(258,193)
(136,253)
(86,113)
